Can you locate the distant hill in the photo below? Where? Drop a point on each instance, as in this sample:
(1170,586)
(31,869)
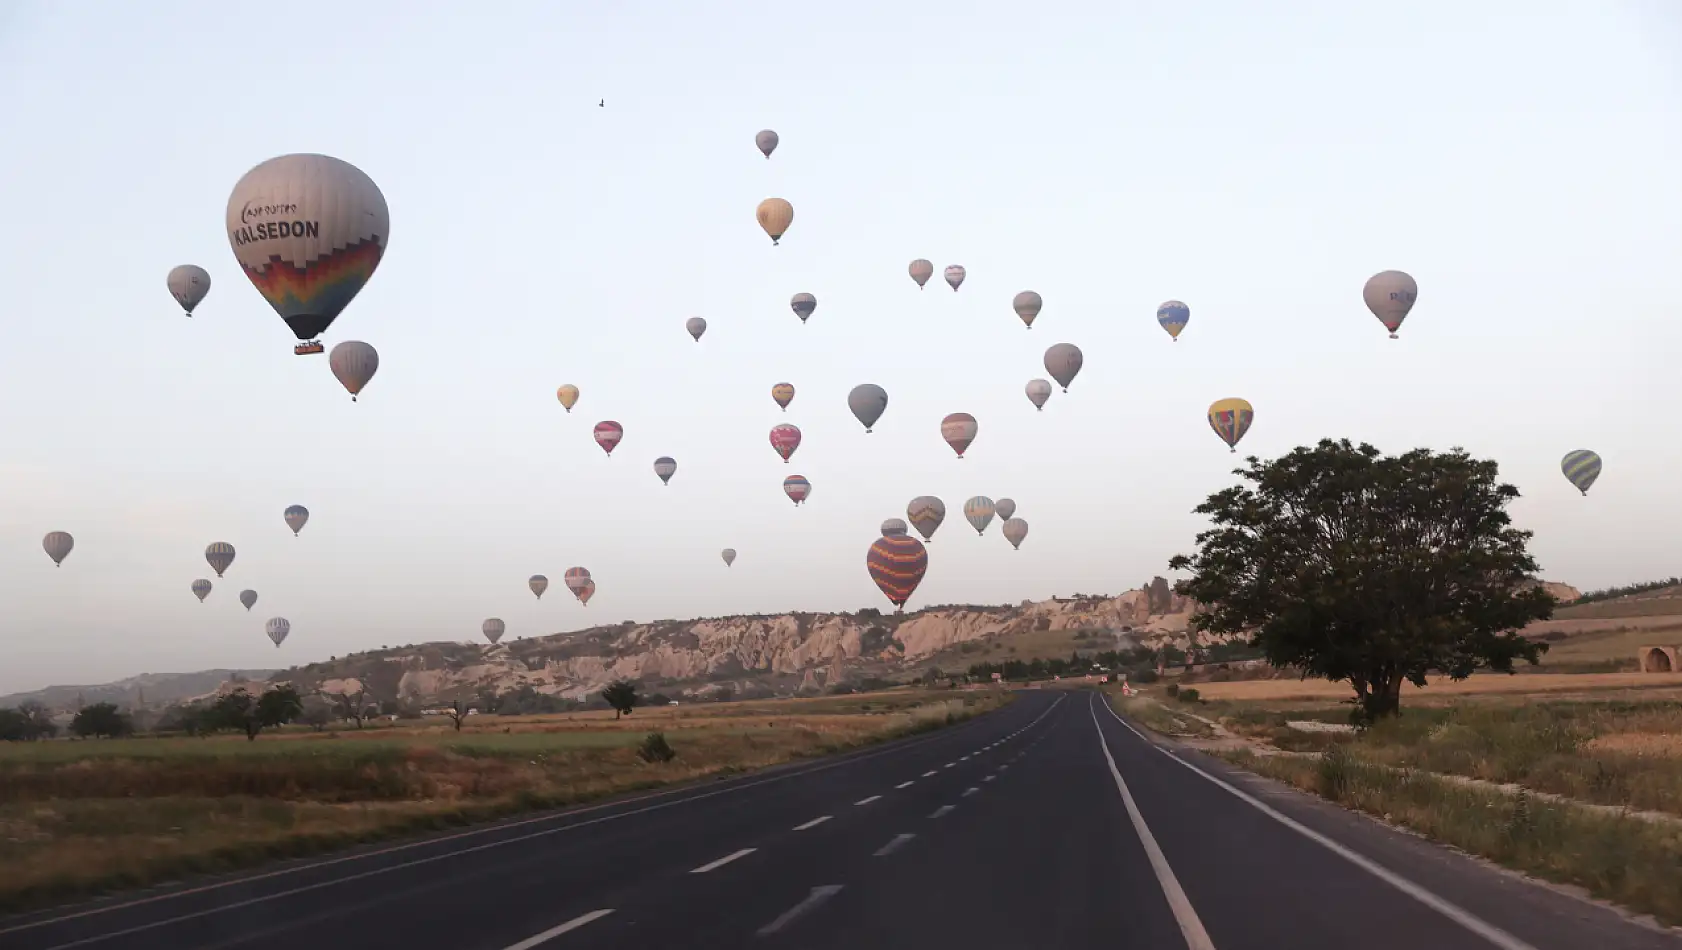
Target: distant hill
(155,688)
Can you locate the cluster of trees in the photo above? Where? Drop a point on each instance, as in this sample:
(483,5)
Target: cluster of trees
(239,711)
(1612,593)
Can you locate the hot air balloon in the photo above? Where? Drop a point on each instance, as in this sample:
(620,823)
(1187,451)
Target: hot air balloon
(785,439)
(925,513)
(493,629)
(867,401)
(1173,315)
(978,511)
(1027,305)
(296,517)
(277,628)
(1231,418)
(1005,508)
(188,284)
(1063,362)
(1582,467)
(893,527)
(608,435)
(587,591)
(220,555)
(955,276)
(568,395)
(58,545)
(797,488)
(921,271)
(767,141)
(354,363)
(774,215)
(575,578)
(803,305)
(782,394)
(1015,529)
(248,598)
(665,466)
(897,565)
(309,230)
(538,584)
(959,429)
(696,326)
(729,555)
(201,589)
(1038,390)
(1390,295)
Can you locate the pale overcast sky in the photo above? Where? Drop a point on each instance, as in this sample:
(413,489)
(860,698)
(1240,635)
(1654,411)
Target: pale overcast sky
(1523,160)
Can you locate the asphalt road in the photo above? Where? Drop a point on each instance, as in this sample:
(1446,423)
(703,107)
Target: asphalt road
(1048,824)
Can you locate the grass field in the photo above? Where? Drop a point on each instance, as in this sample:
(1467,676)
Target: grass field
(1525,684)
(77,816)
(1622,608)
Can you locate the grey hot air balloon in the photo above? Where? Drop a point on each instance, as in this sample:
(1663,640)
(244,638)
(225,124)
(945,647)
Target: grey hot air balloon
(354,363)
(220,554)
(277,628)
(921,271)
(248,598)
(1063,362)
(925,513)
(893,528)
(1015,529)
(867,401)
(665,466)
(729,555)
(1027,306)
(978,511)
(767,141)
(538,584)
(1005,508)
(188,284)
(493,629)
(955,276)
(201,589)
(803,305)
(58,545)
(1038,390)
(696,326)
(1390,295)
(296,517)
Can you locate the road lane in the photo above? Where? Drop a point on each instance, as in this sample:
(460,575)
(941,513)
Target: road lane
(572,854)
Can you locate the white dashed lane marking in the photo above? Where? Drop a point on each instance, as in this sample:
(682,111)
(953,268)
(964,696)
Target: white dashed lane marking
(893,845)
(813,823)
(721,862)
(866,801)
(903,785)
(553,932)
(942,810)
(970,791)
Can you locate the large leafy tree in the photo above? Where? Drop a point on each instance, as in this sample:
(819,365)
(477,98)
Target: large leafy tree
(1371,569)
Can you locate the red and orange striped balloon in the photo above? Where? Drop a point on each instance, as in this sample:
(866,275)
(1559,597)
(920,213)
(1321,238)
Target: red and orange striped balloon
(897,564)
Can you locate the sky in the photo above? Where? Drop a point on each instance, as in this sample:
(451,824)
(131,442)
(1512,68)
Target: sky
(1522,160)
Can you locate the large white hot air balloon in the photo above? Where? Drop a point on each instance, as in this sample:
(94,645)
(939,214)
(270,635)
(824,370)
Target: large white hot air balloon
(188,284)
(277,628)
(354,363)
(309,230)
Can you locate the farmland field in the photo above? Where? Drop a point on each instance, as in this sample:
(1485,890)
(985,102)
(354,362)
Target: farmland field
(81,815)
(1651,684)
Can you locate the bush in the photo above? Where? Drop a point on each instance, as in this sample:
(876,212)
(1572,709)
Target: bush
(1146,676)
(1188,696)
(655,749)
(1173,689)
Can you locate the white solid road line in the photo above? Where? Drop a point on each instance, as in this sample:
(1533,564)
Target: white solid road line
(928,773)
(942,811)
(866,801)
(1190,926)
(813,823)
(893,845)
(970,791)
(821,893)
(904,784)
(721,862)
(553,932)
(1465,918)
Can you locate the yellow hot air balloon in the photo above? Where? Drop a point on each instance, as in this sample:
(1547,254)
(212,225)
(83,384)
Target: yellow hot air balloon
(568,395)
(775,215)
(783,394)
(1231,418)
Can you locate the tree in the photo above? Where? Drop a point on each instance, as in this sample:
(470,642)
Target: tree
(1373,569)
(458,711)
(622,696)
(354,706)
(277,706)
(101,719)
(317,711)
(37,721)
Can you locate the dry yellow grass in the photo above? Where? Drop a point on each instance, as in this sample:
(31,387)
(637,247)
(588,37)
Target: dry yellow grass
(76,816)
(1491,684)
(1659,744)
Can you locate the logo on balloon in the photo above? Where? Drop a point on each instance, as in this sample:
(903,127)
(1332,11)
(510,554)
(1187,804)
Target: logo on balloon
(247,212)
